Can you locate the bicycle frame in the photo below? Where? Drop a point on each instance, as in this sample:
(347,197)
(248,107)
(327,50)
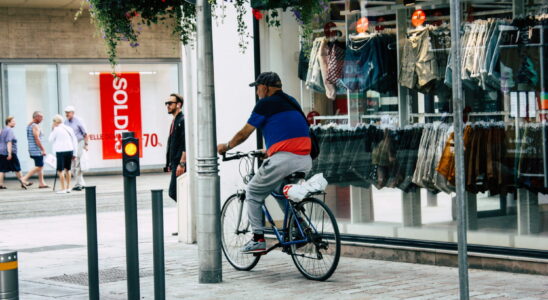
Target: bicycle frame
(289,212)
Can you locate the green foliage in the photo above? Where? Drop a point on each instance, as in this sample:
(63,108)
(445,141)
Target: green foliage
(123,20)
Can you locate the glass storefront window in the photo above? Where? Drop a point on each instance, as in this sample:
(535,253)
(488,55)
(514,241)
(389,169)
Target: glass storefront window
(30,88)
(389,155)
(80,87)
(51,87)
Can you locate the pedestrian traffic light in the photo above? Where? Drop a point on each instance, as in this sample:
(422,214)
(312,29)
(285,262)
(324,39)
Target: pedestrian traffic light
(130,157)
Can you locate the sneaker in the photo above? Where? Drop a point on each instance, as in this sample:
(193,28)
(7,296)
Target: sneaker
(61,192)
(254,246)
(67,191)
(77,188)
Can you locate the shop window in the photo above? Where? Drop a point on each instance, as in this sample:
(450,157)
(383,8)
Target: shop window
(30,88)
(390,110)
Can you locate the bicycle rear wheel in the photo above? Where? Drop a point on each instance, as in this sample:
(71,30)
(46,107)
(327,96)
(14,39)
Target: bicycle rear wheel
(317,259)
(235,232)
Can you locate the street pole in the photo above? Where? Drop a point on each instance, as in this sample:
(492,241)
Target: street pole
(208,225)
(158,245)
(132,237)
(93,256)
(459,149)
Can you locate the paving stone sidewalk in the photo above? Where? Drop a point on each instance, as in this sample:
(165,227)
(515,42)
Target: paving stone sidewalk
(53,266)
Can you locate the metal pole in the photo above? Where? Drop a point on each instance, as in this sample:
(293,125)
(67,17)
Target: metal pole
(93,256)
(459,147)
(208,226)
(158,244)
(257,70)
(132,237)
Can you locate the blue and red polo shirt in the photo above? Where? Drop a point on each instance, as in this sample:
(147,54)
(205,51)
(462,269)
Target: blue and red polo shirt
(284,128)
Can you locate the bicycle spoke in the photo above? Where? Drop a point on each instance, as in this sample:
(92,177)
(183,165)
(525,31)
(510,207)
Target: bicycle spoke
(319,257)
(234,235)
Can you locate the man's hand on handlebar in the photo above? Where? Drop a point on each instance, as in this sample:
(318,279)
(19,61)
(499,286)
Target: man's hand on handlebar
(222,148)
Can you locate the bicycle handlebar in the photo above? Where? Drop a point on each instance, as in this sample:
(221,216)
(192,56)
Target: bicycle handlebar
(239,155)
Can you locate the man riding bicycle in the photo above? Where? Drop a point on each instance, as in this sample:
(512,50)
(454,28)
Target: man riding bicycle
(288,145)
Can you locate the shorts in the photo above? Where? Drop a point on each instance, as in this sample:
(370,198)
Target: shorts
(11,165)
(38,160)
(64,160)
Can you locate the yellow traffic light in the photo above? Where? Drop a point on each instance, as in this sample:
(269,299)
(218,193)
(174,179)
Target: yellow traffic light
(130,149)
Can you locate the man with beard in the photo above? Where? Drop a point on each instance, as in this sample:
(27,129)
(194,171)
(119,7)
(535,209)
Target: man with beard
(176,153)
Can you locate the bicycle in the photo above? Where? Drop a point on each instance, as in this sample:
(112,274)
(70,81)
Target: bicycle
(309,234)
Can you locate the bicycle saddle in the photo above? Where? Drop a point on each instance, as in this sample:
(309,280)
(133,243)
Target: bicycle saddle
(295,176)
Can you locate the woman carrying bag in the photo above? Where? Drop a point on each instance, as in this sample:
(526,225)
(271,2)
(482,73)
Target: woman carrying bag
(64,144)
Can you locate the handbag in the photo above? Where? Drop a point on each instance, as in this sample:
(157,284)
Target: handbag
(51,161)
(84,161)
(315,145)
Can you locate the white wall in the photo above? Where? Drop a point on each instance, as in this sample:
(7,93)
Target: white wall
(280,52)
(234,98)
(234,71)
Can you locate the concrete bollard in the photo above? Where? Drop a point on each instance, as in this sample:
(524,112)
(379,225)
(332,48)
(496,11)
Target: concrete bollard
(9,282)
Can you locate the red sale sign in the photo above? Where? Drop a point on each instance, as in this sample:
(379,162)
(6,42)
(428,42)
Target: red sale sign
(120,111)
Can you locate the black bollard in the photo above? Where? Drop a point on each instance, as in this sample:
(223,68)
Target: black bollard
(158,245)
(93,256)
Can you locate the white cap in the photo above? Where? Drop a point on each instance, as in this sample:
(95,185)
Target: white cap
(69,108)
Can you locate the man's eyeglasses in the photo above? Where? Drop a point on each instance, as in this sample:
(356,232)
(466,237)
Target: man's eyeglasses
(169,102)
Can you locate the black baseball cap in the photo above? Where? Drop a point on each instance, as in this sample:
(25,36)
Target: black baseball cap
(269,79)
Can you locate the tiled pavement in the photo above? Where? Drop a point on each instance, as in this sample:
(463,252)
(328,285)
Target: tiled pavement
(44,272)
(49,232)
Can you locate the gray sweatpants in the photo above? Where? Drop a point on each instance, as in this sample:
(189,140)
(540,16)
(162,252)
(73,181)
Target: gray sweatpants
(269,177)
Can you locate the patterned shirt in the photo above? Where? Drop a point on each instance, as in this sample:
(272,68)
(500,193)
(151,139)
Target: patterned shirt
(34,150)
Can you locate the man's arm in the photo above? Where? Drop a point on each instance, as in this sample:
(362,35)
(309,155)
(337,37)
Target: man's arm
(85,134)
(36,134)
(181,168)
(239,138)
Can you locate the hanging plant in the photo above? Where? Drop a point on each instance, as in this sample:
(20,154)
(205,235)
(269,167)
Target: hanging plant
(306,12)
(123,20)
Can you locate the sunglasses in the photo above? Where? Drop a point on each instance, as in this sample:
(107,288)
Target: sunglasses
(170,102)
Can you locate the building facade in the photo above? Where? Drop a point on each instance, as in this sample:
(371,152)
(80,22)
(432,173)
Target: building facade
(50,60)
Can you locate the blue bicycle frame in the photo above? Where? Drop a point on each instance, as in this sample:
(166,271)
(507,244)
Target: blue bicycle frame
(285,230)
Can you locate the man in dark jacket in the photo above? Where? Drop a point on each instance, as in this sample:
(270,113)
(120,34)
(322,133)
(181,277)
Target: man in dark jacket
(176,152)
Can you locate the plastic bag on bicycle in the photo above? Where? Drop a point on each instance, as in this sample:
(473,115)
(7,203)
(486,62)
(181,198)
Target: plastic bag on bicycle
(299,191)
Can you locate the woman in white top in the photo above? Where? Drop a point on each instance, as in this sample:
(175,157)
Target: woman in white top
(64,144)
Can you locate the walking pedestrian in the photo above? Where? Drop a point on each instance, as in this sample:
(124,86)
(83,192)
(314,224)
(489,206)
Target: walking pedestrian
(9,162)
(176,152)
(83,139)
(65,145)
(36,149)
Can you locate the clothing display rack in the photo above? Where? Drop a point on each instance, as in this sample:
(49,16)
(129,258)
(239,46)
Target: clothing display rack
(362,197)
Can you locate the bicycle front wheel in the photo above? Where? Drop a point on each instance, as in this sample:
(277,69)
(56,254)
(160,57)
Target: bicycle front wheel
(235,232)
(319,257)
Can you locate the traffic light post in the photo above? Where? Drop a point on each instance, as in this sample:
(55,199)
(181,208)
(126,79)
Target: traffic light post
(130,166)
